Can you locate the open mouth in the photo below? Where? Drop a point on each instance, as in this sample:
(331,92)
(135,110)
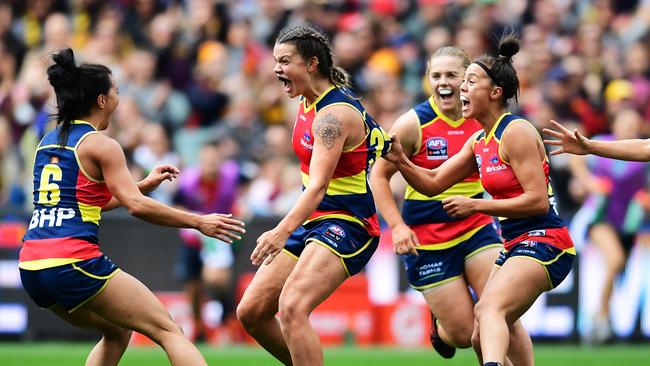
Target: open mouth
(445,94)
(465,102)
(285,81)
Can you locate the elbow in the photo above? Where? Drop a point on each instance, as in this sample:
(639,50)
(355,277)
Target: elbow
(135,206)
(318,190)
(540,206)
(429,189)
(431,192)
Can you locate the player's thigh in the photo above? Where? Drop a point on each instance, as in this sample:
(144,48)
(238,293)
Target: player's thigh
(452,305)
(317,274)
(514,287)
(263,292)
(84,318)
(128,303)
(479,267)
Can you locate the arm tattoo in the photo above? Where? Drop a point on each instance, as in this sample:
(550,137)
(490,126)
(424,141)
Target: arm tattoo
(328,128)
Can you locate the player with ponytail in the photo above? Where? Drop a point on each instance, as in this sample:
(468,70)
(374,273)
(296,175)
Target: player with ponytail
(78,173)
(332,230)
(509,155)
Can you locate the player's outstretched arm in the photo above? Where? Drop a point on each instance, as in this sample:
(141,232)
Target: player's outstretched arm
(575,143)
(433,182)
(110,158)
(157,175)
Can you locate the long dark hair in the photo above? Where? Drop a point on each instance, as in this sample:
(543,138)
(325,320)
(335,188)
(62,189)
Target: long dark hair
(500,68)
(76,89)
(311,42)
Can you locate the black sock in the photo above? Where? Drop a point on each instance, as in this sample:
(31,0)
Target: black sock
(492,364)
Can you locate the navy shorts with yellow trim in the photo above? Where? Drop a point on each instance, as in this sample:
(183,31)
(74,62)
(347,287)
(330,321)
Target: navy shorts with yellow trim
(557,262)
(432,268)
(349,241)
(70,285)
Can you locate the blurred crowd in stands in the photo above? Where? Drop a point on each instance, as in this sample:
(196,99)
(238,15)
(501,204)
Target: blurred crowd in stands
(197,72)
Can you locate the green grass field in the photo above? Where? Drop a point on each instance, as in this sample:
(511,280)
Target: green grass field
(55,354)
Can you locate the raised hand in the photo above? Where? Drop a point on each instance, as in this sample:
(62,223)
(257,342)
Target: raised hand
(222,227)
(269,245)
(569,142)
(157,175)
(404,240)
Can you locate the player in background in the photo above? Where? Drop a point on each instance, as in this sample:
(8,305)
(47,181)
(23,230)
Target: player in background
(442,254)
(332,230)
(510,158)
(78,173)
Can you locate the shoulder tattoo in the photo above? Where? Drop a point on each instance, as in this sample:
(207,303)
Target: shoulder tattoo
(328,128)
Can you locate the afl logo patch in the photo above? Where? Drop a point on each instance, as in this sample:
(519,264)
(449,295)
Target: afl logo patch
(54,160)
(437,148)
(479,161)
(305,141)
(335,232)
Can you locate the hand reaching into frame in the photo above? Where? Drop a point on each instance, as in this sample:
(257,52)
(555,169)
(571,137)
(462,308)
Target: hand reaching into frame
(569,142)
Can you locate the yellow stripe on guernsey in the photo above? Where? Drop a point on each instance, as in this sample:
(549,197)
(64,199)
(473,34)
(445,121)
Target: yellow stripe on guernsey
(90,213)
(467,189)
(46,263)
(451,243)
(338,216)
(353,184)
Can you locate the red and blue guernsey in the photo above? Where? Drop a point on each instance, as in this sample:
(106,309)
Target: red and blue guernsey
(67,204)
(441,138)
(348,195)
(500,181)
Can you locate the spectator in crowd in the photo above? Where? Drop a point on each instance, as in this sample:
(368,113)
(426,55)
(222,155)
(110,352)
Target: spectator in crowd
(204,263)
(154,150)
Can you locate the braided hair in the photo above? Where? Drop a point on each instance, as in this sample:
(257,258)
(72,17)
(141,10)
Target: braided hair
(500,68)
(311,42)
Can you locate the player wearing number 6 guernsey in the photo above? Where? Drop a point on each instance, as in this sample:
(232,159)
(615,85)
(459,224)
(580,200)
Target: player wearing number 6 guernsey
(79,172)
(332,231)
(67,205)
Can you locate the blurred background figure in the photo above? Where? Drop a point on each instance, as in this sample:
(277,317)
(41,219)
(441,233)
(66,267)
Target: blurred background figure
(204,263)
(615,201)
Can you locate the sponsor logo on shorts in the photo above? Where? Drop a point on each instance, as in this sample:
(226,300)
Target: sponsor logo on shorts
(541,232)
(335,232)
(529,243)
(430,269)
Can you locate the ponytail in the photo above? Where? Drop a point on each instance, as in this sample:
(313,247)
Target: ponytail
(76,89)
(500,68)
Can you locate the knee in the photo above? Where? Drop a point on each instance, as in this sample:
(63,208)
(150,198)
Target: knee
(121,337)
(292,310)
(251,315)
(485,308)
(164,330)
